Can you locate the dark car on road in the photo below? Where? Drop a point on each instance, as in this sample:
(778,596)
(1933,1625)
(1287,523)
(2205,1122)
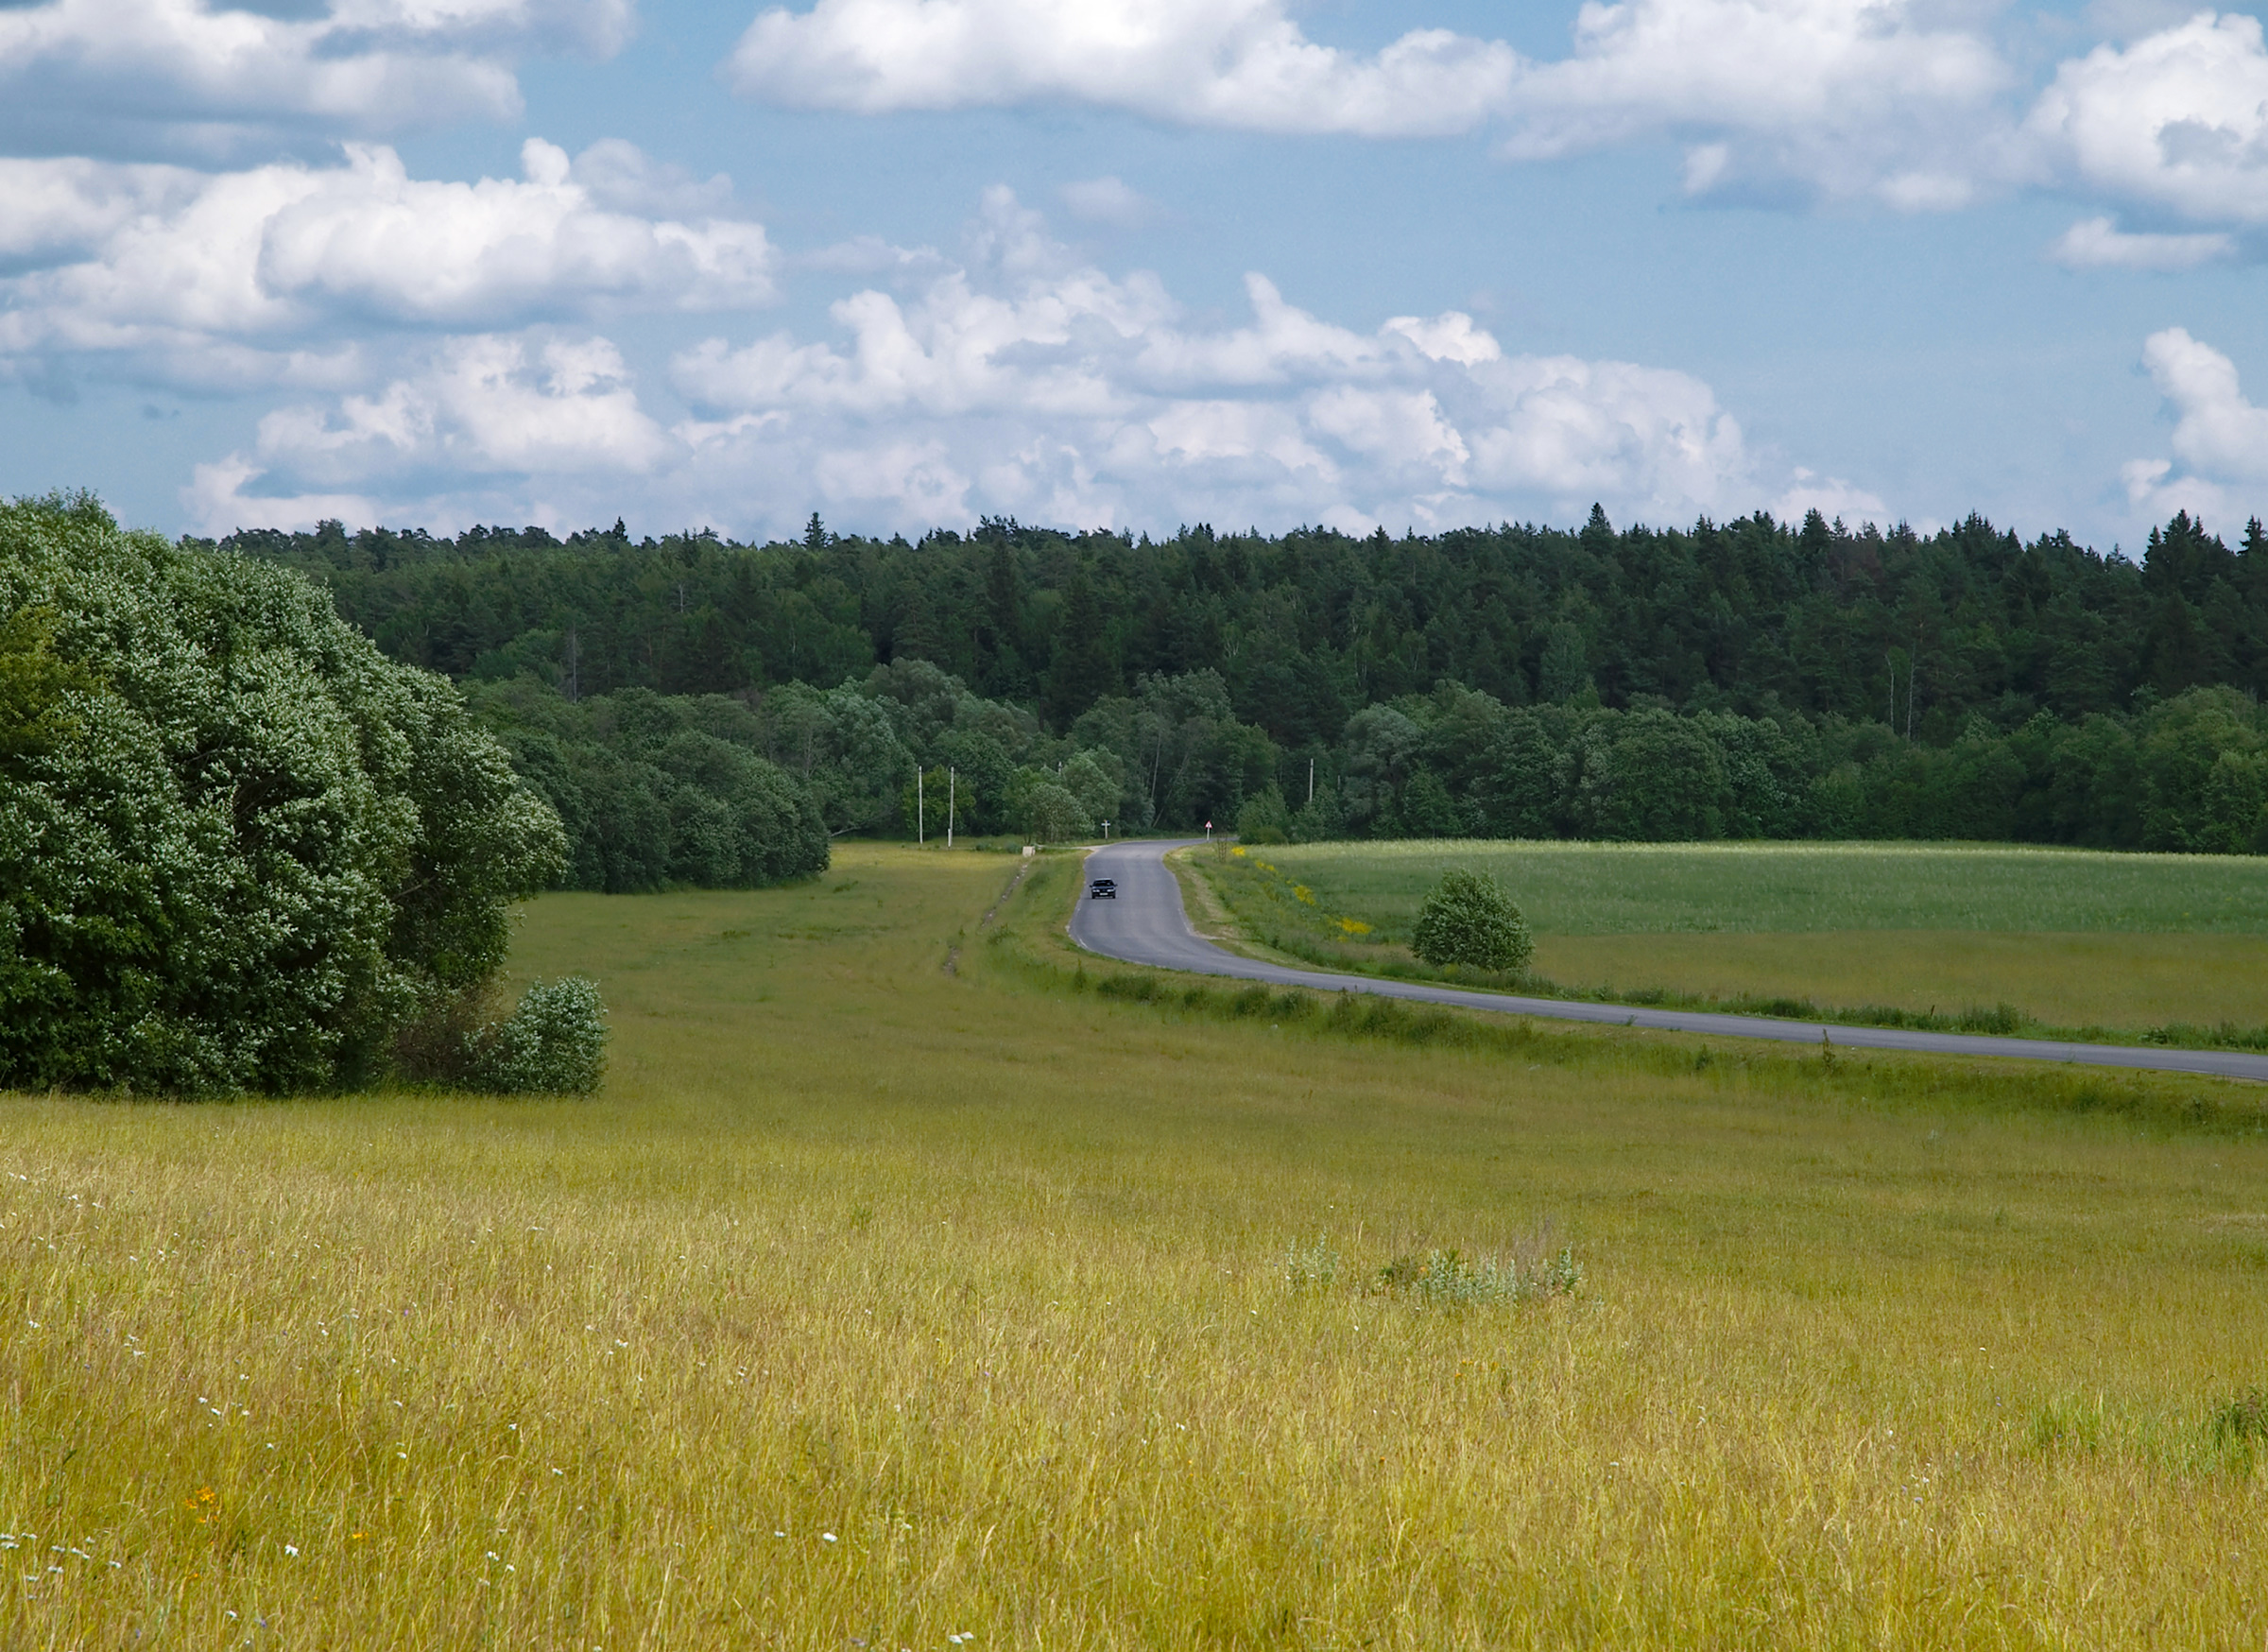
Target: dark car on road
(1101,888)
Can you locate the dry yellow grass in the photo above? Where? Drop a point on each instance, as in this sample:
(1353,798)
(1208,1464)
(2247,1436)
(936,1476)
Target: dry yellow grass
(877,1303)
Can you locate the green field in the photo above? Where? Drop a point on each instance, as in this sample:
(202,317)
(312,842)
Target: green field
(914,1288)
(2072,940)
(1616,889)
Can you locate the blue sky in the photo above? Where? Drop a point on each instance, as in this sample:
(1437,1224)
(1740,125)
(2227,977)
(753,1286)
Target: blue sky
(1134,262)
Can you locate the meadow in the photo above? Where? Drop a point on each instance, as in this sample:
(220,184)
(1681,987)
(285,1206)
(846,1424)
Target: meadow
(917,1282)
(2071,940)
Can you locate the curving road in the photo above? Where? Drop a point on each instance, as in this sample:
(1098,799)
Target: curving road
(1146,925)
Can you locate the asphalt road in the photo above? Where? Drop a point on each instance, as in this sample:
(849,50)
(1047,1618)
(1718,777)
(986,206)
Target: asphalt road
(1146,925)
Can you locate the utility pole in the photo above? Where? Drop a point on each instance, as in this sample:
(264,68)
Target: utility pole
(952,786)
(1913,682)
(1311,780)
(920,810)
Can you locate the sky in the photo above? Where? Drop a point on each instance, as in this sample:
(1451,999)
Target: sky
(1134,264)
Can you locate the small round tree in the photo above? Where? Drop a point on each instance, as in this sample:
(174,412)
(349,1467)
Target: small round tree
(1052,814)
(1469,920)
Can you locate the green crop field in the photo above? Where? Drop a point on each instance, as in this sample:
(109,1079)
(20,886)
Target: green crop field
(1601,889)
(2070,939)
(911,1287)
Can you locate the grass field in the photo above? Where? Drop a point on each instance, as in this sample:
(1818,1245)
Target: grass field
(898,1293)
(2071,940)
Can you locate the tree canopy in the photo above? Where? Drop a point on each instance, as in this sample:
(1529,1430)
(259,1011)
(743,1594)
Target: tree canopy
(239,848)
(1747,679)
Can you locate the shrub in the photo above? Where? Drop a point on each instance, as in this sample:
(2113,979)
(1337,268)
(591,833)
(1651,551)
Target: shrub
(1311,1267)
(1450,1278)
(554,1044)
(1469,920)
(1265,818)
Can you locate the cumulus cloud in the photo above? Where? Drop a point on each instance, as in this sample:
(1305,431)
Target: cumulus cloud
(173,76)
(2220,437)
(2100,243)
(1209,62)
(1027,382)
(1832,497)
(217,504)
(1852,96)
(184,272)
(2176,122)
(1018,378)
(1904,102)
(57,208)
(2218,430)
(481,407)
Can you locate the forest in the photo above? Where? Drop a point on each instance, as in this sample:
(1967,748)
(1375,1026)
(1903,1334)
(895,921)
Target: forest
(1748,679)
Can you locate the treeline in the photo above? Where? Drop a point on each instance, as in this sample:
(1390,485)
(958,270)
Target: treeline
(740,791)
(2186,774)
(1752,679)
(1920,632)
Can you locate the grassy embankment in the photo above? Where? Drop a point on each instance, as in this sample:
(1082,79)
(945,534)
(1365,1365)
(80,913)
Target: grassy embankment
(877,1300)
(1991,939)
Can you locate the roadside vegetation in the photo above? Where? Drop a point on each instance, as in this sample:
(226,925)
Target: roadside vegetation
(917,1280)
(1993,938)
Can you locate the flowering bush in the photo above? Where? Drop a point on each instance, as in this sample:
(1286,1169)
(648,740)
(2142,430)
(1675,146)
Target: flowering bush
(554,1044)
(239,850)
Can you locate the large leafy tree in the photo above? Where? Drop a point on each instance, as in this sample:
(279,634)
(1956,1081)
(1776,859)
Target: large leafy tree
(239,848)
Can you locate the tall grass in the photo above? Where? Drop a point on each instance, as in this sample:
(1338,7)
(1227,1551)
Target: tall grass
(873,1303)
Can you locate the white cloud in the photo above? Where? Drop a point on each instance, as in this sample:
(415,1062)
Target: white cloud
(415,250)
(2220,437)
(2219,432)
(185,272)
(1832,498)
(1241,63)
(217,504)
(481,407)
(2099,243)
(1852,96)
(917,478)
(1909,103)
(1108,201)
(485,403)
(1019,380)
(2176,122)
(176,76)
(1028,383)
(52,208)
(1571,430)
